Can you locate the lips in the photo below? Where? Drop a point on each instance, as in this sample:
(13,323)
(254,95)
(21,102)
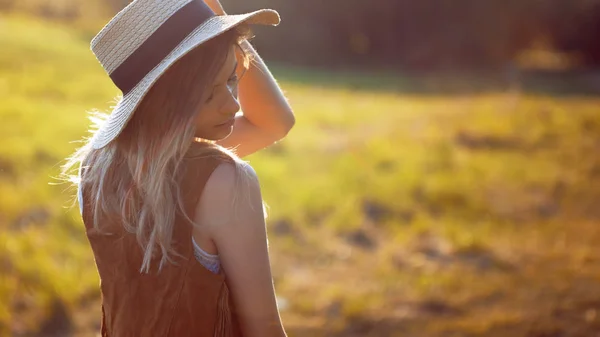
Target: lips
(228,122)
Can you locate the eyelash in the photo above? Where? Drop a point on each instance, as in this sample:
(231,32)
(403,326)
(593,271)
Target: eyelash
(232,79)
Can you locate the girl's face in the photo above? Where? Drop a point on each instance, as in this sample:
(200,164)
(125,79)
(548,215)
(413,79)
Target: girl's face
(215,120)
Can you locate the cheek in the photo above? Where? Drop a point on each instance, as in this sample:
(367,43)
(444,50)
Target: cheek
(204,115)
(205,121)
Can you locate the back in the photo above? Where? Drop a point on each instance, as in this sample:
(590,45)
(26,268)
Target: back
(184,299)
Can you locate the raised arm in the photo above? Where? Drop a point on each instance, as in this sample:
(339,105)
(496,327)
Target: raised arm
(267,116)
(233,214)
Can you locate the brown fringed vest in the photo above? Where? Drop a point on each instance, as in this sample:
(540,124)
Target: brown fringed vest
(182,300)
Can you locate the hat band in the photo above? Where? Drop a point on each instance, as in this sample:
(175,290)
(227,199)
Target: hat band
(158,46)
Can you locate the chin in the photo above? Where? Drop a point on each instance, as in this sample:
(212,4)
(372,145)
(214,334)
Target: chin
(216,134)
(226,134)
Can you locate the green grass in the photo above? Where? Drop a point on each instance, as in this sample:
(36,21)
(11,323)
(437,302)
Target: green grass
(392,211)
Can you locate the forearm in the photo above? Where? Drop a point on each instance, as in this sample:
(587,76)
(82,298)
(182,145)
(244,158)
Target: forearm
(262,100)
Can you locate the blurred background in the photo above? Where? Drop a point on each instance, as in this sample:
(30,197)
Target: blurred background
(443,177)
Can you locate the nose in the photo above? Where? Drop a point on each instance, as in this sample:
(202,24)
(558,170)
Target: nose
(232,105)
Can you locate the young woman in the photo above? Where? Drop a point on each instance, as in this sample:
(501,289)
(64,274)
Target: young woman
(175,219)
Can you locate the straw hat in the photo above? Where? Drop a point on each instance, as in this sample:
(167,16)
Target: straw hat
(148,36)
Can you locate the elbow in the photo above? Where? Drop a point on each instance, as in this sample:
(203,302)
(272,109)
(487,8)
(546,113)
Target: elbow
(289,123)
(286,125)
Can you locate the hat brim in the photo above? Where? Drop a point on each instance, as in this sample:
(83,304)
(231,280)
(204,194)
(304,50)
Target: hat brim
(213,27)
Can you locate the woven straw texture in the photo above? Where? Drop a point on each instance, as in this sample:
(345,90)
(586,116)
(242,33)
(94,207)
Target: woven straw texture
(116,41)
(130,28)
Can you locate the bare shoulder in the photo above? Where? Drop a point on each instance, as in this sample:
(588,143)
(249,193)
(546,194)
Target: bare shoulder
(225,173)
(232,189)
(229,178)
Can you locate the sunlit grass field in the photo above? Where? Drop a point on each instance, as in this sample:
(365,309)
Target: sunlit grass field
(392,211)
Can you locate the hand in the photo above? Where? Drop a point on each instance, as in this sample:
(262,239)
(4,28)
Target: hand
(216,6)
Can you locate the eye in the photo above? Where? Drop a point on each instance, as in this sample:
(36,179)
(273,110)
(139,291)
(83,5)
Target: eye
(232,80)
(212,95)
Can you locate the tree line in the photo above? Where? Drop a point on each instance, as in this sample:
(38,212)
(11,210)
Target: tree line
(424,34)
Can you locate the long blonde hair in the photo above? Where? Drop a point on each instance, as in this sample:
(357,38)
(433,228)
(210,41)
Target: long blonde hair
(134,175)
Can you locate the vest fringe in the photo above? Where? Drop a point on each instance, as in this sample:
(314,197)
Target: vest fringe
(223,323)
(103,332)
